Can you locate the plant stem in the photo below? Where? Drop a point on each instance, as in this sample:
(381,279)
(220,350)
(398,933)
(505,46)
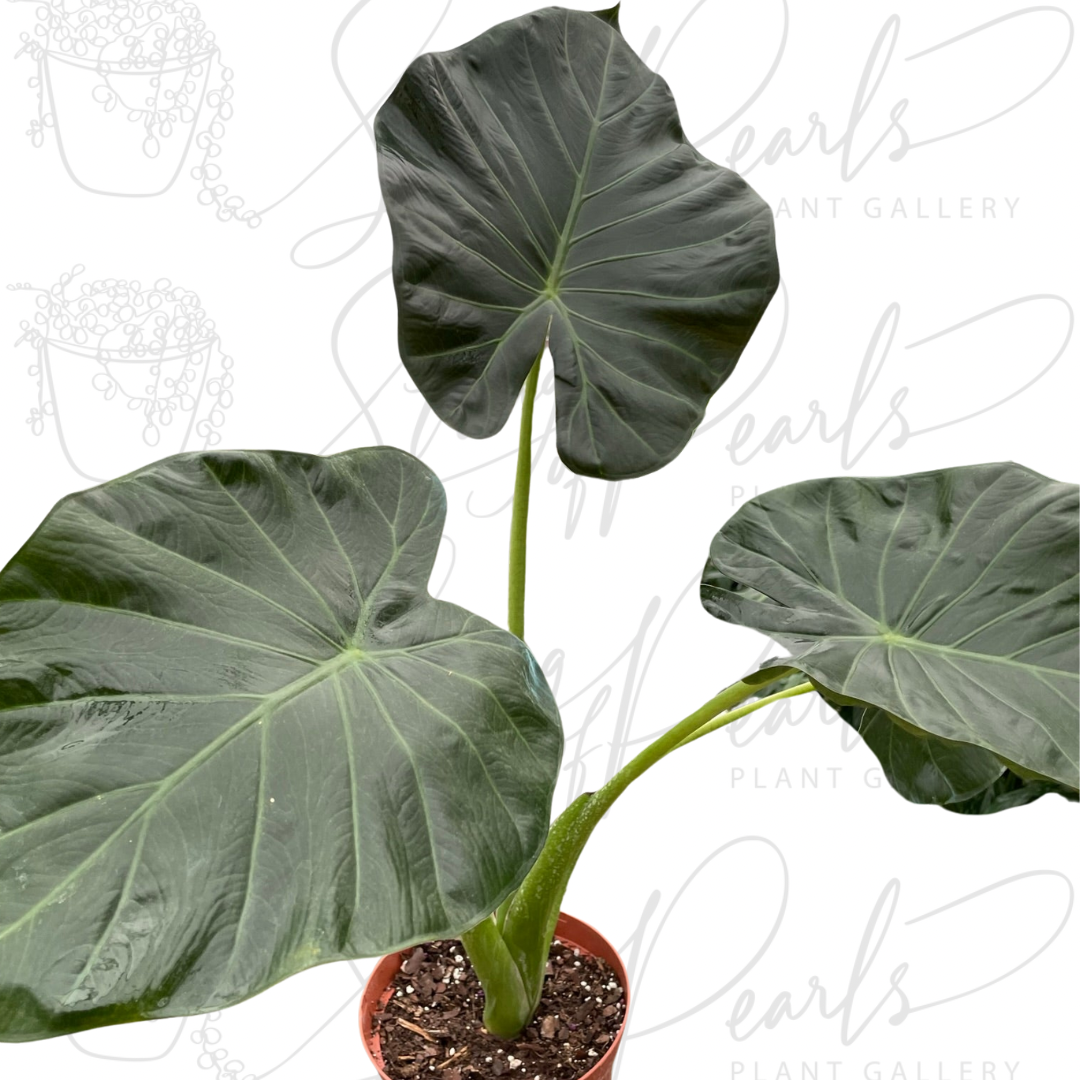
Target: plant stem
(505,1001)
(737,714)
(528,922)
(519,522)
(504,992)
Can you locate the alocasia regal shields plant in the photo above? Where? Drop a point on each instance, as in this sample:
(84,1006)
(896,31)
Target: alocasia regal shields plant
(238,737)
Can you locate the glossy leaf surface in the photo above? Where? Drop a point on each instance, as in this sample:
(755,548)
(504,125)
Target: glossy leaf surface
(538,182)
(924,768)
(946,599)
(957,776)
(239,738)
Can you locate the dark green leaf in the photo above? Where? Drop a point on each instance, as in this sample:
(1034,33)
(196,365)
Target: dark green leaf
(239,738)
(1010,791)
(538,181)
(609,15)
(924,768)
(947,599)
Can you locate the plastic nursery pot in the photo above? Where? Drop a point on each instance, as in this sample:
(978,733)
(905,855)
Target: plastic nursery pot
(572,932)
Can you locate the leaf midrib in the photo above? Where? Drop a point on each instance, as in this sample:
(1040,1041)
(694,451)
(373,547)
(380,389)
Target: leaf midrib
(269,704)
(562,249)
(901,641)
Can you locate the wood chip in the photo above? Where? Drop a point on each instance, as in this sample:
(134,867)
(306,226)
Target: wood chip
(418,1029)
(459,1056)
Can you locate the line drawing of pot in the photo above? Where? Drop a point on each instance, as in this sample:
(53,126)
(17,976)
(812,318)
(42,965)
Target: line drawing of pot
(151,349)
(128,87)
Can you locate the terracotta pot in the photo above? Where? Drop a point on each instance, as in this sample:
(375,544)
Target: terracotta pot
(570,931)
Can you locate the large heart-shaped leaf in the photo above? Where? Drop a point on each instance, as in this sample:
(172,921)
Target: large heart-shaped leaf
(239,738)
(538,181)
(947,599)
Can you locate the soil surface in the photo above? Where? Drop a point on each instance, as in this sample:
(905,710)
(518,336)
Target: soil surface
(432,1026)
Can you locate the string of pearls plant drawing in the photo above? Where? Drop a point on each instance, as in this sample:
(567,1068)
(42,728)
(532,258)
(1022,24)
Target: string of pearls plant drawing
(153,349)
(155,71)
(216,1058)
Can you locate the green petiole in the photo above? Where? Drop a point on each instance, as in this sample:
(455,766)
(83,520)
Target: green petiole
(519,521)
(509,950)
(746,710)
(525,923)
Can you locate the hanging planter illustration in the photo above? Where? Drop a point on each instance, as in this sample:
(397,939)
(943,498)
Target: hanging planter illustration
(152,350)
(132,91)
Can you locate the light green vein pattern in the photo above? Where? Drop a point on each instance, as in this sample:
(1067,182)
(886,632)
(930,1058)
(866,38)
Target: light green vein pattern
(231,716)
(957,613)
(539,186)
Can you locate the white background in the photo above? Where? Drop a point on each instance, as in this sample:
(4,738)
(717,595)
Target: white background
(763,858)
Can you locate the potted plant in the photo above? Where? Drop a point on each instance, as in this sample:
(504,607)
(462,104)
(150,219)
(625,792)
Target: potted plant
(239,738)
(152,349)
(127,89)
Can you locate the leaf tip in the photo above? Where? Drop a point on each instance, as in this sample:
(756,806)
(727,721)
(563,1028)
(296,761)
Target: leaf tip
(610,15)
